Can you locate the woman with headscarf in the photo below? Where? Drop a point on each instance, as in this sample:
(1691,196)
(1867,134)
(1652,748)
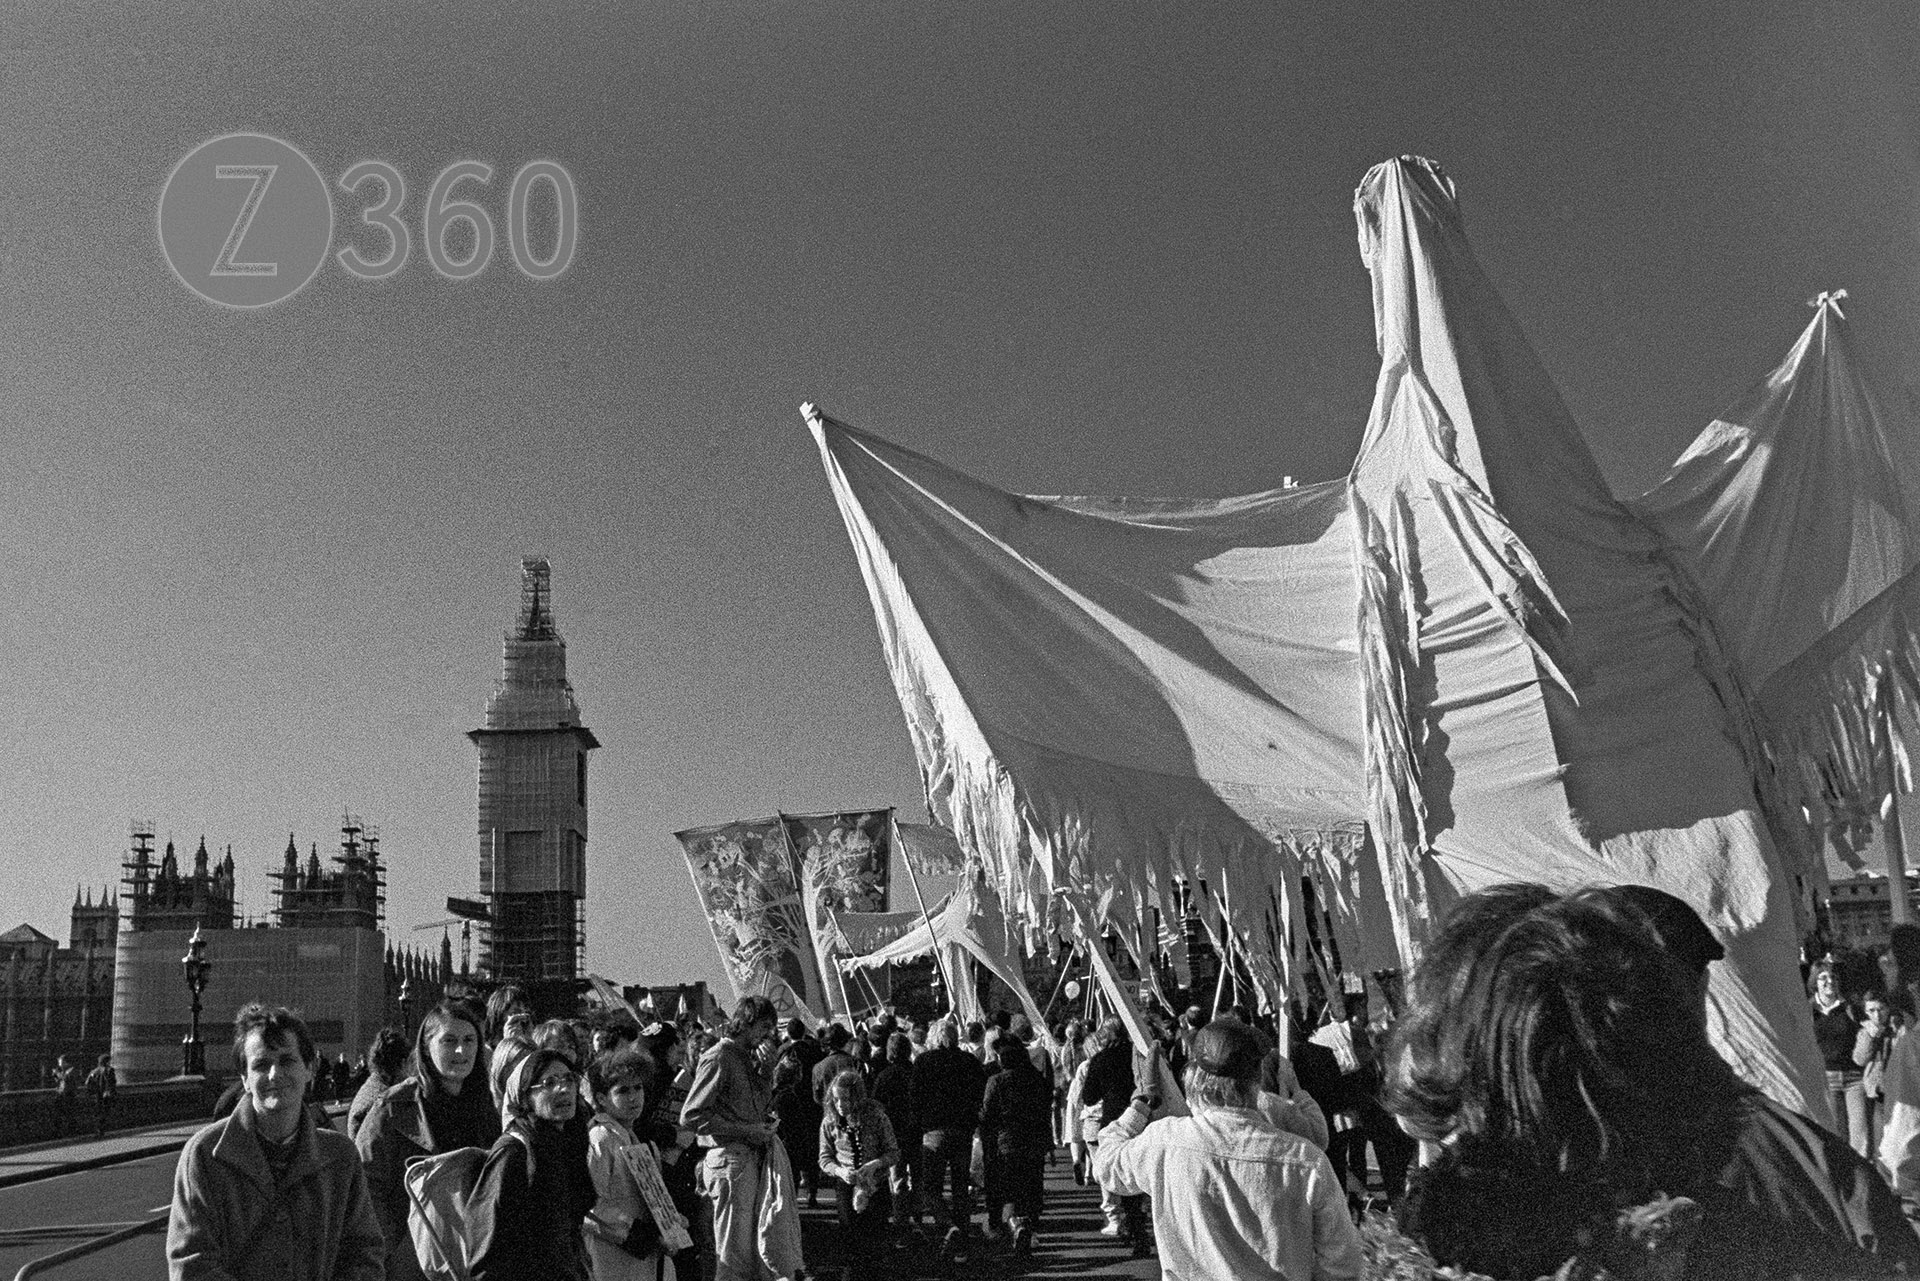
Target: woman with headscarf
(442,1106)
(525,1213)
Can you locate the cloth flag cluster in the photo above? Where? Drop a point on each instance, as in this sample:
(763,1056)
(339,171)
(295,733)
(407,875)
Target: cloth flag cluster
(1464,663)
(772,888)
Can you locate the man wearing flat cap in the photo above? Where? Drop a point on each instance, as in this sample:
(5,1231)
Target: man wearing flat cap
(1233,1194)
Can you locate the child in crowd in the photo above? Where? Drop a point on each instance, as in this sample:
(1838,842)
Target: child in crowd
(857,1148)
(624,1237)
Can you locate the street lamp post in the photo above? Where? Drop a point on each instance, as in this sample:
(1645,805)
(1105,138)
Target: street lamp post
(406,994)
(194,965)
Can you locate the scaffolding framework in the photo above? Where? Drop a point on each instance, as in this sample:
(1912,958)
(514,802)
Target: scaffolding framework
(353,893)
(535,938)
(159,896)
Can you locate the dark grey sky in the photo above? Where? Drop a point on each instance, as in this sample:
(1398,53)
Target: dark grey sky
(259,562)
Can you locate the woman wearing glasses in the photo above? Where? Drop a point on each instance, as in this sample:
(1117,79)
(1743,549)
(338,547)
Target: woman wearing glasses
(523,1219)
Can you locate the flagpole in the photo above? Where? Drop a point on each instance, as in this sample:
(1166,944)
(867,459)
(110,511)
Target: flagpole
(860,975)
(1896,837)
(1227,942)
(893,818)
(1066,967)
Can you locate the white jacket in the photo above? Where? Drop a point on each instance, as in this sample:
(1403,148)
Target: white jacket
(1233,1195)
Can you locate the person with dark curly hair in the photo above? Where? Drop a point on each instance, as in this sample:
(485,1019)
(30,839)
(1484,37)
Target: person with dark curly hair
(627,1238)
(1555,1059)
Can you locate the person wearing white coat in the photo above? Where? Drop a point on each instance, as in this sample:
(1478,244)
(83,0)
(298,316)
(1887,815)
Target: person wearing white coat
(625,1239)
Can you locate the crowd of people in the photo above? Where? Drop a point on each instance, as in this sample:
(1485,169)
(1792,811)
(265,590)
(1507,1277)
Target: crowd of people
(1545,1102)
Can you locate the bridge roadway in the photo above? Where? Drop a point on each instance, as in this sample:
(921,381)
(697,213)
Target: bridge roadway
(94,1201)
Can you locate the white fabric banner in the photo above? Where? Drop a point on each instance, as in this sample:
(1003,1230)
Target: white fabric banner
(1468,644)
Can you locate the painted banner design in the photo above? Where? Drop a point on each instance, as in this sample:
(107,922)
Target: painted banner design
(842,860)
(745,875)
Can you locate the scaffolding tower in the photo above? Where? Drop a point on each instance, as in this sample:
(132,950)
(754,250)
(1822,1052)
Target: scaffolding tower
(535,938)
(533,802)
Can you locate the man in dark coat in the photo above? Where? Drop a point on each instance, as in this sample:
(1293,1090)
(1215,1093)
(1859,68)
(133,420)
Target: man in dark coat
(1016,1134)
(1110,1084)
(837,1060)
(264,1195)
(948,1086)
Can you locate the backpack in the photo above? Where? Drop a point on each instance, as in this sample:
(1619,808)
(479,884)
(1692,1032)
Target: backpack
(438,1188)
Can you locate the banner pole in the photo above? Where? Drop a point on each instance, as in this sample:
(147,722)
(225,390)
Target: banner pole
(893,819)
(1896,837)
(1066,967)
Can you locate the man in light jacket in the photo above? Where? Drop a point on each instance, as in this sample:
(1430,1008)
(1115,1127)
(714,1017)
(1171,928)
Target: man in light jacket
(264,1195)
(1233,1195)
(756,1224)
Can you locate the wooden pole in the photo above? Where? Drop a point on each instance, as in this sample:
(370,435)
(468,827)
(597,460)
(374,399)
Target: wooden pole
(1896,838)
(1066,968)
(946,983)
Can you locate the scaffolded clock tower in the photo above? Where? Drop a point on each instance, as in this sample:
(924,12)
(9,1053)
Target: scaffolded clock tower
(533,804)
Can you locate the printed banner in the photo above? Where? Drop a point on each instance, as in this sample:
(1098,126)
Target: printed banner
(843,860)
(844,857)
(745,876)
(932,851)
(864,932)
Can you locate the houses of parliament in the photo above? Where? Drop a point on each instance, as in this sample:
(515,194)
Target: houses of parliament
(324,948)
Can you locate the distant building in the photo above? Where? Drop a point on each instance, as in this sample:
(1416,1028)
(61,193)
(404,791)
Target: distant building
(56,1000)
(353,893)
(324,953)
(163,897)
(1860,911)
(533,807)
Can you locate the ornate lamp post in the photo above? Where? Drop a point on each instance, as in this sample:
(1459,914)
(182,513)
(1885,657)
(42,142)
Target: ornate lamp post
(195,966)
(406,994)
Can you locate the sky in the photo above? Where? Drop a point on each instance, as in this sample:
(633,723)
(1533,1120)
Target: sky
(260,561)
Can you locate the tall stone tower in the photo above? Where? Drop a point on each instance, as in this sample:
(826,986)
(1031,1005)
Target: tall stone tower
(533,804)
